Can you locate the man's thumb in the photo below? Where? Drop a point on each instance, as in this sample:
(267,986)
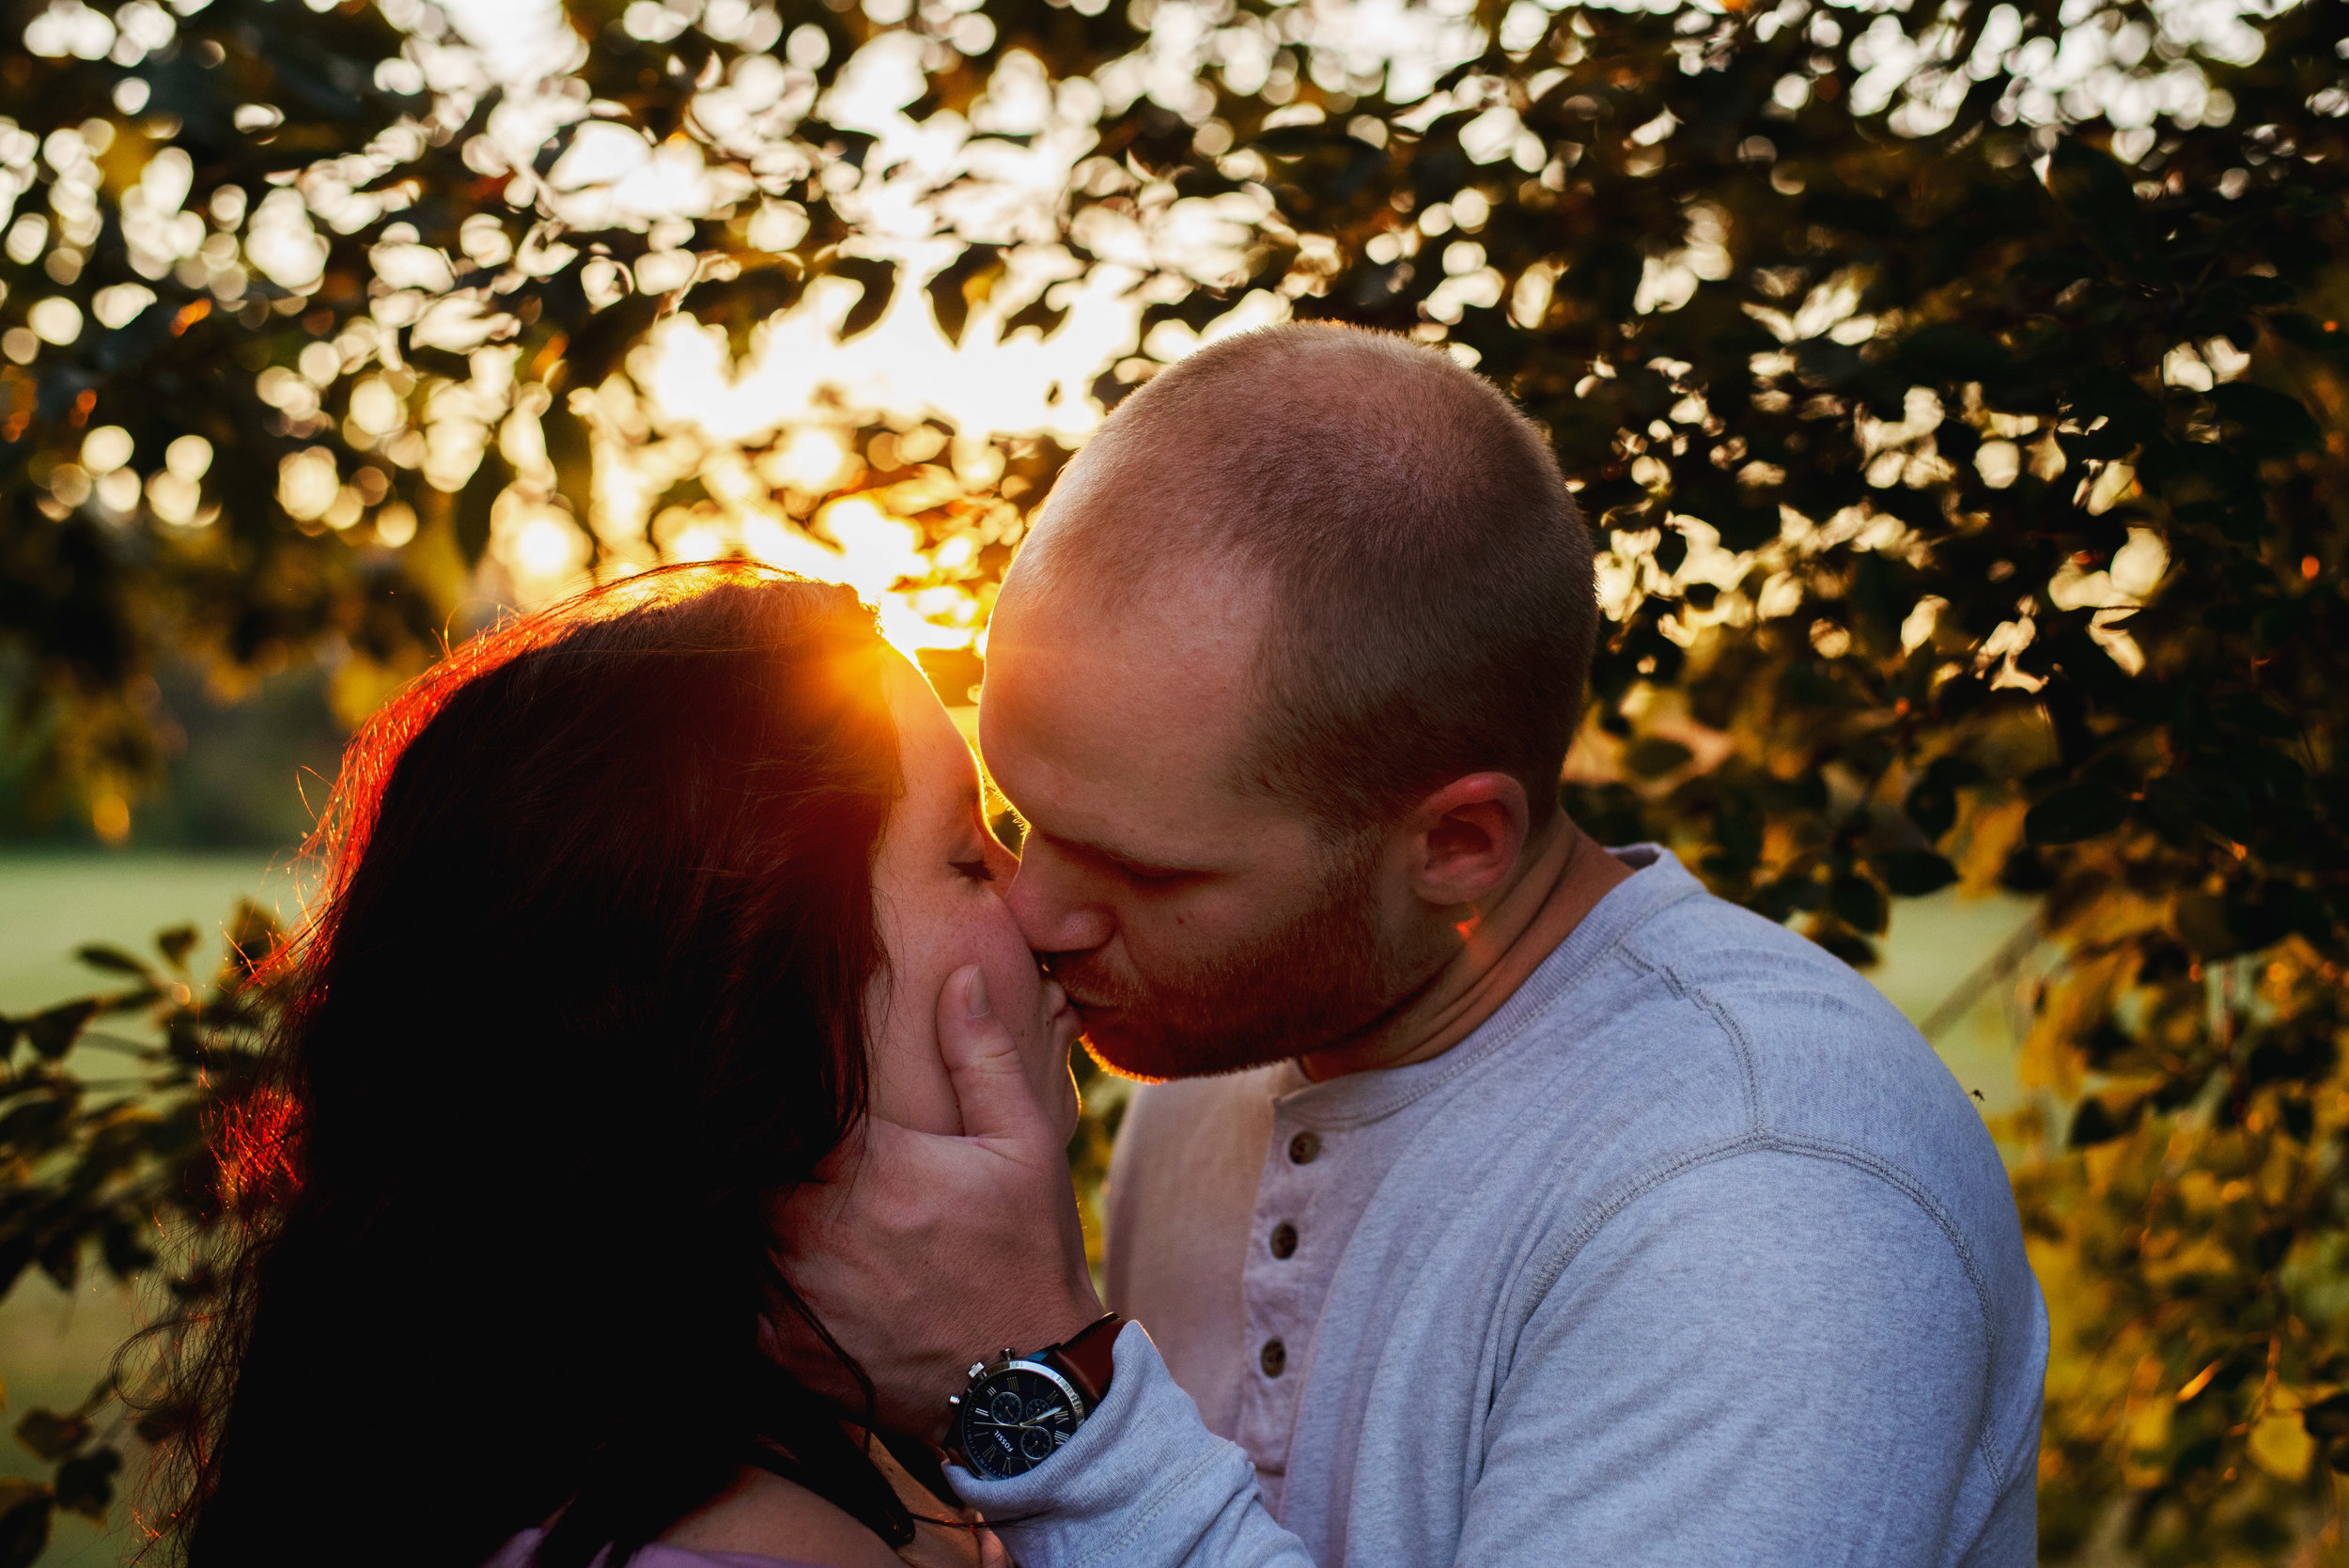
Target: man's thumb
(990,1082)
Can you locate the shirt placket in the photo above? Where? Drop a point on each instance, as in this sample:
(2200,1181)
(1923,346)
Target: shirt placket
(1282,1288)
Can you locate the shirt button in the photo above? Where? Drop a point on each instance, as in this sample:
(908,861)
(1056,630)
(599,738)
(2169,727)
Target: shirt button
(1275,1357)
(1283,1239)
(1303,1148)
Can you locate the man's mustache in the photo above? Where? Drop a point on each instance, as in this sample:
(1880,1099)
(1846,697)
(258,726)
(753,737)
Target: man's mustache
(1088,986)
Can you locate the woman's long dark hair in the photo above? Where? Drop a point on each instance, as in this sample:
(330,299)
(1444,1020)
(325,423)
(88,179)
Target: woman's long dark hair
(583,992)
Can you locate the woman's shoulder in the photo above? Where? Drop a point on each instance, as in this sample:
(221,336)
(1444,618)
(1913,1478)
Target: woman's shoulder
(761,1521)
(761,1515)
(522,1551)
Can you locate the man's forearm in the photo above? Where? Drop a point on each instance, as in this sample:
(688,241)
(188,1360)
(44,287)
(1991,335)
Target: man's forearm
(1142,1484)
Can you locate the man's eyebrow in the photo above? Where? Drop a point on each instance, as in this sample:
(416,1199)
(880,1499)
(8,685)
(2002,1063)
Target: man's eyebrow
(1116,856)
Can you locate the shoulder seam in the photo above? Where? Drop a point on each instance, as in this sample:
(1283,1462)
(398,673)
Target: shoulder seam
(1761,1141)
(1699,998)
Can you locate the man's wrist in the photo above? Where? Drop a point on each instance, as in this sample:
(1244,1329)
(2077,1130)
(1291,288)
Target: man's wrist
(1055,1317)
(1088,1357)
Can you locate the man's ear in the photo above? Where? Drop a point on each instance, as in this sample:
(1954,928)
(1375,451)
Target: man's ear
(1467,837)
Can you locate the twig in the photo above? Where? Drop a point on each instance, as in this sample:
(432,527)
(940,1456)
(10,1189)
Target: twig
(2005,961)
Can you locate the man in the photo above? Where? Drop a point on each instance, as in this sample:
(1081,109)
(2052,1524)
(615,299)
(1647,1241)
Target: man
(1546,1208)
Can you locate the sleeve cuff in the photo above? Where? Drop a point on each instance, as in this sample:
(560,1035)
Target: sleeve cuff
(1139,1465)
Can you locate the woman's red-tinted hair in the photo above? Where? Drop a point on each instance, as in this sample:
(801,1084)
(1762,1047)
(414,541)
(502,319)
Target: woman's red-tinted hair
(583,989)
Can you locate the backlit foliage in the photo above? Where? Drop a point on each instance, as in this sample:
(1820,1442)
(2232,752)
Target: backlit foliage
(1957,393)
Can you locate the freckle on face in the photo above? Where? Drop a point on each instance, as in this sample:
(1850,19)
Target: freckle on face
(935,917)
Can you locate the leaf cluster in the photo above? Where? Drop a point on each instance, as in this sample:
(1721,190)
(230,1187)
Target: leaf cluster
(109,1156)
(1969,478)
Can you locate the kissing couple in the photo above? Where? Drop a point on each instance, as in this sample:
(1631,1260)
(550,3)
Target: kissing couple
(661,1157)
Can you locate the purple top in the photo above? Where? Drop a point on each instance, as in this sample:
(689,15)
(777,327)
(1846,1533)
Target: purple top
(522,1552)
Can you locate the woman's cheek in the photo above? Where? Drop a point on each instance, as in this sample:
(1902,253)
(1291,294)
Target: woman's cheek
(1014,983)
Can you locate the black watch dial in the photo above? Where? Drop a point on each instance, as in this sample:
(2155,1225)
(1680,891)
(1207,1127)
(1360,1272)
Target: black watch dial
(1015,1418)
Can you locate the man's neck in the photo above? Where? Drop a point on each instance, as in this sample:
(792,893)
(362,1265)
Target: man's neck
(1566,873)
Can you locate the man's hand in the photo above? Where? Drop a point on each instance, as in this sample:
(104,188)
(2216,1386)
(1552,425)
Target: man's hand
(921,1254)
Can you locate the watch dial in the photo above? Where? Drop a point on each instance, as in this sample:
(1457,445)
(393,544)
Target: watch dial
(1014,1421)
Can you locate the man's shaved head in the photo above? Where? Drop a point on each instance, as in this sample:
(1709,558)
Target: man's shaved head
(1430,602)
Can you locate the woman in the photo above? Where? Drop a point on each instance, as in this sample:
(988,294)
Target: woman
(634,911)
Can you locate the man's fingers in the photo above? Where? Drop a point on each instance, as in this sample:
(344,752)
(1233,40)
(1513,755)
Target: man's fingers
(990,1081)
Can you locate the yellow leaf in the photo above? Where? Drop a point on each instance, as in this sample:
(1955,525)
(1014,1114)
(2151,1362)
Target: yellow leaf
(2202,1257)
(2281,1445)
(1990,837)
(2077,1004)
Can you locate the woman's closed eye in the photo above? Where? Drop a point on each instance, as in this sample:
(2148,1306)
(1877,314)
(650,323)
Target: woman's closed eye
(977,870)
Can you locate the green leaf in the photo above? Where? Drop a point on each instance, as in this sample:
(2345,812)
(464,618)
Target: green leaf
(54,1031)
(1652,757)
(86,1486)
(2327,1418)
(24,1509)
(176,945)
(1036,314)
(2201,919)
(1932,803)
(103,956)
(2096,1123)
(2075,813)
(476,502)
(2201,797)
(962,286)
(2272,421)
(2094,187)
(1946,351)
(1860,904)
(570,454)
(744,302)
(50,1434)
(1933,806)
(2258,716)
(1914,872)
(879,281)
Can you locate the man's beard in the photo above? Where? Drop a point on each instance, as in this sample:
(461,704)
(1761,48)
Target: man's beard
(1319,977)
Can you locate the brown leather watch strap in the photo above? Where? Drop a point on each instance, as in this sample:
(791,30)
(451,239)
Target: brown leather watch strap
(1087,1357)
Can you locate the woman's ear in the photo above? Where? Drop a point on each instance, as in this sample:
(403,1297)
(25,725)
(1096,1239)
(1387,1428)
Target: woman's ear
(1466,838)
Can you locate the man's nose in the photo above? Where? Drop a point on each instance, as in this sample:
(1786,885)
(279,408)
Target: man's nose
(1054,907)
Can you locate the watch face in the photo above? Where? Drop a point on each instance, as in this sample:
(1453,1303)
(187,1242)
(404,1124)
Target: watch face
(1015,1418)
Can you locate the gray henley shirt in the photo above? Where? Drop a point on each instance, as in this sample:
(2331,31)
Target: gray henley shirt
(1694,1253)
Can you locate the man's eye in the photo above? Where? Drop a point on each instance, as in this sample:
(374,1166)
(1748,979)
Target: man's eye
(978,871)
(1148,878)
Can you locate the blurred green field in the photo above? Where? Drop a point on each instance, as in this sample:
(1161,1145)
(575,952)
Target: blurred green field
(54,1345)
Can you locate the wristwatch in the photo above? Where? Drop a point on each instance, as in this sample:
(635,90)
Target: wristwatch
(1019,1410)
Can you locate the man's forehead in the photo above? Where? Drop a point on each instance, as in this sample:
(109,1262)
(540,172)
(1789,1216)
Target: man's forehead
(1100,709)
(1110,721)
